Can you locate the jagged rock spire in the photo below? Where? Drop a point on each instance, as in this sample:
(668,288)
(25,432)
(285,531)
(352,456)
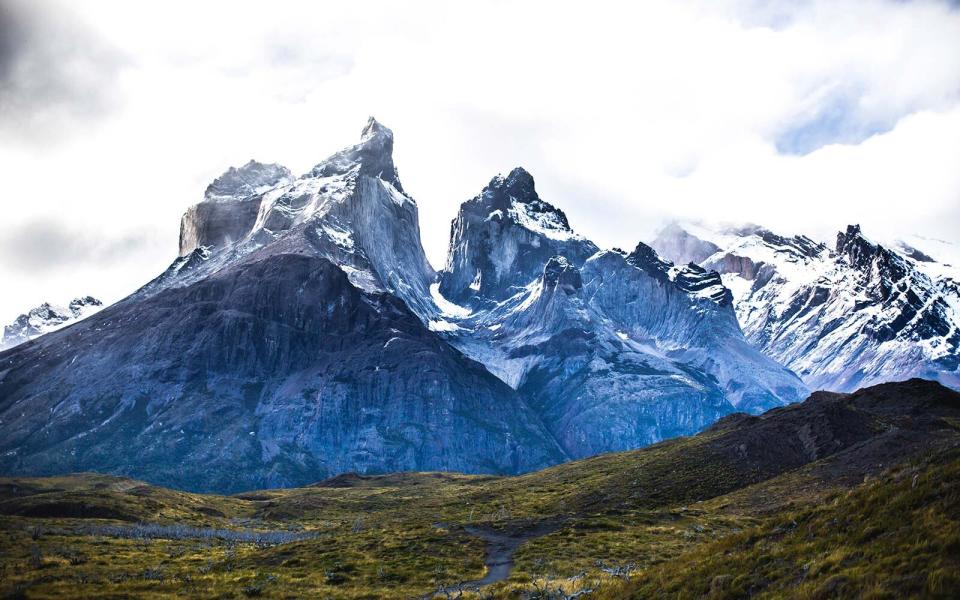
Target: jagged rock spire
(374,155)
(503,237)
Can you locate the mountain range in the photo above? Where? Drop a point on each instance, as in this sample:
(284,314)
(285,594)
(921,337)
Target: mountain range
(301,333)
(842,317)
(46,318)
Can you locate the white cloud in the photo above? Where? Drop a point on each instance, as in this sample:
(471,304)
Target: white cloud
(625,116)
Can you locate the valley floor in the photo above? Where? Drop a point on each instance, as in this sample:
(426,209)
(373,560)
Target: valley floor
(673,520)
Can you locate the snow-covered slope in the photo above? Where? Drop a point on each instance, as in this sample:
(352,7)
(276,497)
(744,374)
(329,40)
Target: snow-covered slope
(598,387)
(46,318)
(842,317)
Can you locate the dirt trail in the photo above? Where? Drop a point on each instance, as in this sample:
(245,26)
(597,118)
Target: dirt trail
(501,547)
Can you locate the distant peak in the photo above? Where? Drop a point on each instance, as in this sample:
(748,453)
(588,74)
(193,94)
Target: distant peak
(915,253)
(85,301)
(852,241)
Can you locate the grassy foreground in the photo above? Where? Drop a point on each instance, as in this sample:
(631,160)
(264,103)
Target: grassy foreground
(869,508)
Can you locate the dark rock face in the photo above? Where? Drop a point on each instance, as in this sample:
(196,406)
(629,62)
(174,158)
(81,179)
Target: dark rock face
(230,206)
(560,274)
(502,238)
(743,266)
(216,224)
(274,373)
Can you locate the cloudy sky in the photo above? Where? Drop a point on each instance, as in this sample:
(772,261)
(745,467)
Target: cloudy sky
(802,116)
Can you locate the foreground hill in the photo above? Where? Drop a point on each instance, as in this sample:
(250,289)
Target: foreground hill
(843,495)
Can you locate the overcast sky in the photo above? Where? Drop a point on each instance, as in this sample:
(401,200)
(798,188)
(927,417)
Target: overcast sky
(801,116)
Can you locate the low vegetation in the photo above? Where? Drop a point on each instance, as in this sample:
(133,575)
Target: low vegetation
(878,518)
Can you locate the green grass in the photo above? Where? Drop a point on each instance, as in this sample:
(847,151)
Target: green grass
(893,537)
(681,521)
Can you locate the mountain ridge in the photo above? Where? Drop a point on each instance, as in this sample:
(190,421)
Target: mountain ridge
(856,314)
(46,318)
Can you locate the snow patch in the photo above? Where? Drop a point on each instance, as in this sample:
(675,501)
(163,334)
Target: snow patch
(447,308)
(547,223)
(442,325)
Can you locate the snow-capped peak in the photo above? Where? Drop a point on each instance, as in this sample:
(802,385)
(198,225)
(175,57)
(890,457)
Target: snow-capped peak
(237,183)
(349,209)
(515,197)
(375,130)
(373,156)
(859,314)
(503,237)
(46,318)
(692,278)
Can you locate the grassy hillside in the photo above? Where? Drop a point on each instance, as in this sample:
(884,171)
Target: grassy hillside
(839,496)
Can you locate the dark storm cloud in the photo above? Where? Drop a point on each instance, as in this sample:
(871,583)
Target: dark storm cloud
(43,246)
(56,74)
